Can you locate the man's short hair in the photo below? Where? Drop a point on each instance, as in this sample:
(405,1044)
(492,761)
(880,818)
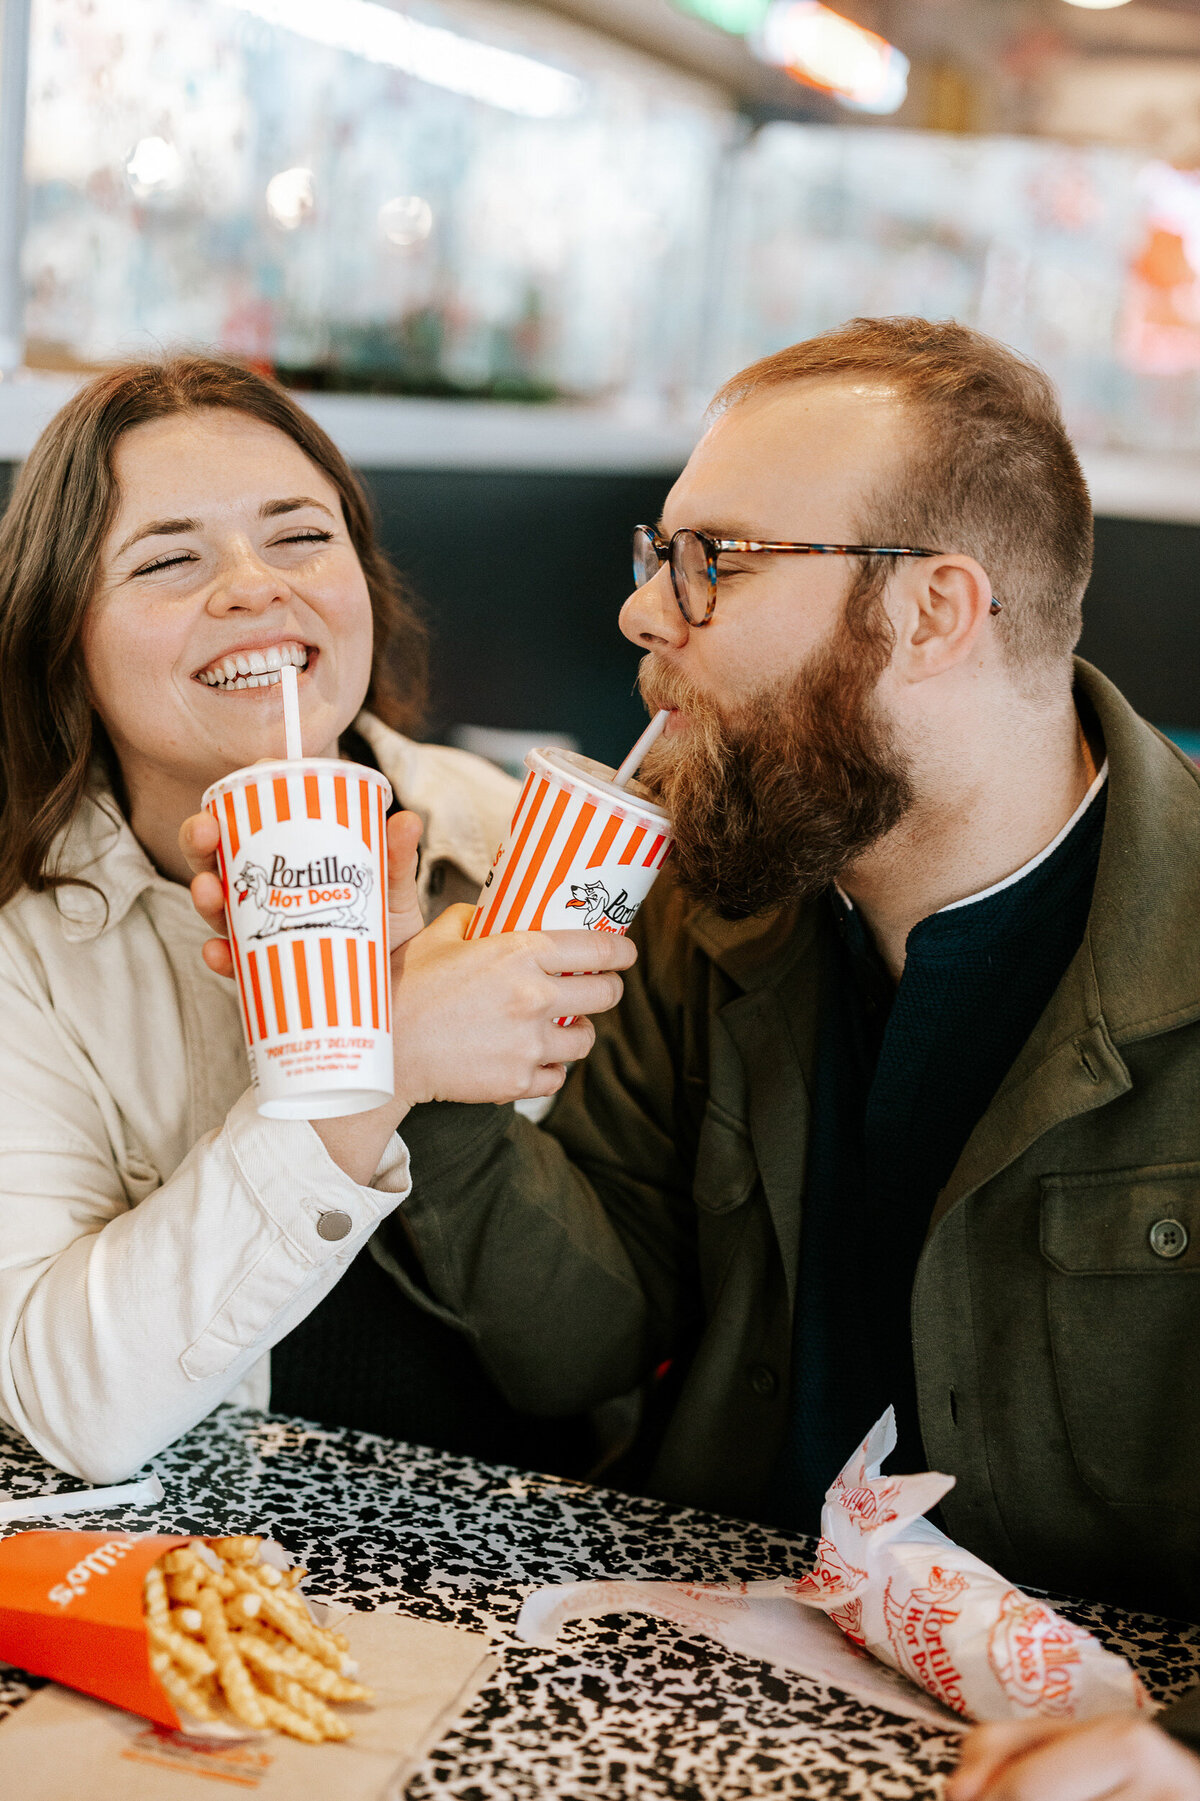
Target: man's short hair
(992,473)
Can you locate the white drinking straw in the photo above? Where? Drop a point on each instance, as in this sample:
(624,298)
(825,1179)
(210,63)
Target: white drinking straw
(631,764)
(143,1493)
(291,712)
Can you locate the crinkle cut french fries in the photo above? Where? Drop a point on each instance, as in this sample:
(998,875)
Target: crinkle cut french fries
(228,1631)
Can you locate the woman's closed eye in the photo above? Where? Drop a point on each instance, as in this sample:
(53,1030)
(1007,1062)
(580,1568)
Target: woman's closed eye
(177,559)
(311,534)
(170,562)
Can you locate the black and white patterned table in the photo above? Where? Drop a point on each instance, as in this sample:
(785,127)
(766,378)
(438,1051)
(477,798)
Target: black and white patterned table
(624,1707)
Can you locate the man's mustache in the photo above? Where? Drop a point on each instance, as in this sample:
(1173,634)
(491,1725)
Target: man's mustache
(660,685)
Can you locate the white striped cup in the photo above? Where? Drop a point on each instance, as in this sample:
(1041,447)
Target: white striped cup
(303,862)
(580,852)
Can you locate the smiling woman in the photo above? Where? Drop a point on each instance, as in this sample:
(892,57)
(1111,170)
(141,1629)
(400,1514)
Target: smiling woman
(182,532)
(190,600)
(69,536)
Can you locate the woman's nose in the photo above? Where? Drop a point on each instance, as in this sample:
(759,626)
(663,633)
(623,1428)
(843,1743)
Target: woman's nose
(246,584)
(651,615)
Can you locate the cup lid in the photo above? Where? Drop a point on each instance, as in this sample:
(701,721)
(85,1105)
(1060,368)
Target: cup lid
(586,774)
(271,767)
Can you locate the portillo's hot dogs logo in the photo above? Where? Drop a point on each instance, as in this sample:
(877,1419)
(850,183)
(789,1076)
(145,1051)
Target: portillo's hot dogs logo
(600,912)
(1032,1650)
(325,892)
(916,1625)
(97,1563)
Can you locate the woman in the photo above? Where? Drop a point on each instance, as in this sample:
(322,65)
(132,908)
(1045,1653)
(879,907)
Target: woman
(181,529)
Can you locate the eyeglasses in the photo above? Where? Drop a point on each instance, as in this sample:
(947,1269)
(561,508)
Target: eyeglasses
(692,557)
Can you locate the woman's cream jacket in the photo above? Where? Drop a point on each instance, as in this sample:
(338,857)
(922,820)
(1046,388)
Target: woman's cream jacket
(157,1236)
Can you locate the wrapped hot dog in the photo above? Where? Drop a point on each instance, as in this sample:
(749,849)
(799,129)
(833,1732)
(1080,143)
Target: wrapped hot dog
(902,1590)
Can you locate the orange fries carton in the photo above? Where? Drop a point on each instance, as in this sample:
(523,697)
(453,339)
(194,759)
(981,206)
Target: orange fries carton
(204,1635)
(71,1607)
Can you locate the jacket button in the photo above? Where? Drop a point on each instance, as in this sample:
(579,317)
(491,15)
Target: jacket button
(763,1380)
(334,1225)
(1168,1238)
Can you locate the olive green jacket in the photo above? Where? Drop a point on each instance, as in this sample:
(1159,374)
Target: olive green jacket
(657,1215)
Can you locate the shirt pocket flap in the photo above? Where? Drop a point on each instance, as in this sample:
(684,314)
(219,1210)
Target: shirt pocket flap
(726,1169)
(1123,1222)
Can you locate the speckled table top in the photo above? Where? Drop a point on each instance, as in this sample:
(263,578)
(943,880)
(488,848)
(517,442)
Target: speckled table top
(624,1706)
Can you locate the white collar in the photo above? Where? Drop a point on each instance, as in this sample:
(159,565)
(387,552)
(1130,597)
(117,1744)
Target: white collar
(1018,875)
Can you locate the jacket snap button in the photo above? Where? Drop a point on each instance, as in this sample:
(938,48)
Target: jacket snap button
(334,1225)
(1168,1238)
(762,1380)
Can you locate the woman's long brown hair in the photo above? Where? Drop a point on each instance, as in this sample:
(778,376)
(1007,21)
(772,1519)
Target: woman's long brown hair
(51,536)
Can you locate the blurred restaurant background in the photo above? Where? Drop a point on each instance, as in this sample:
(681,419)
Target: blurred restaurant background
(506,252)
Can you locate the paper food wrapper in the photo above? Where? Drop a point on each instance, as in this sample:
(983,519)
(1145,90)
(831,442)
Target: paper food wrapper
(71,1608)
(900,1588)
(60,1746)
(751,1619)
(917,1616)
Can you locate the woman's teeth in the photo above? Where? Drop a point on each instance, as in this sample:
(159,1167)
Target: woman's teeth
(254,668)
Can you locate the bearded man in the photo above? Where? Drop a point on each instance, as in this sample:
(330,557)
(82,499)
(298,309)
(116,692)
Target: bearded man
(900,1103)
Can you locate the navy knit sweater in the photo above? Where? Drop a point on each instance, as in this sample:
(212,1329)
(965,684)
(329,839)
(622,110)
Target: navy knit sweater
(903,1074)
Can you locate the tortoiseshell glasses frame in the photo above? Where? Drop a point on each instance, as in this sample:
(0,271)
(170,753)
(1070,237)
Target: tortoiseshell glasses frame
(692,557)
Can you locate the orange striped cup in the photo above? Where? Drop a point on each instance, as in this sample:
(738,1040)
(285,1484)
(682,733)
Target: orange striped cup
(580,852)
(303,862)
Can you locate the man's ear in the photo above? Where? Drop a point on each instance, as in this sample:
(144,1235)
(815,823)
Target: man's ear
(945,611)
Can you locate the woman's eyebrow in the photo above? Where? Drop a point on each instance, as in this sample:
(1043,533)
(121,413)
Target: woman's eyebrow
(159,528)
(270,509)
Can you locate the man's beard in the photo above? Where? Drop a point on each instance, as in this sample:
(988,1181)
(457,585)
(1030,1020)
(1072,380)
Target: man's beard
(772,801)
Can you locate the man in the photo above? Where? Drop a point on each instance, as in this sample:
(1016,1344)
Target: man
(900,1101)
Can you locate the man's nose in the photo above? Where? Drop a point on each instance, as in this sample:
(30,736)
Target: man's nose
(651,616)
(246,584)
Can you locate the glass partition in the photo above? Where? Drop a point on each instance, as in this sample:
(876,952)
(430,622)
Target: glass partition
(1086,259)
(462,200)
(471,198)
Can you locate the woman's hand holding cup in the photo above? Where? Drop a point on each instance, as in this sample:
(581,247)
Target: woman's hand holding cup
(199,837)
